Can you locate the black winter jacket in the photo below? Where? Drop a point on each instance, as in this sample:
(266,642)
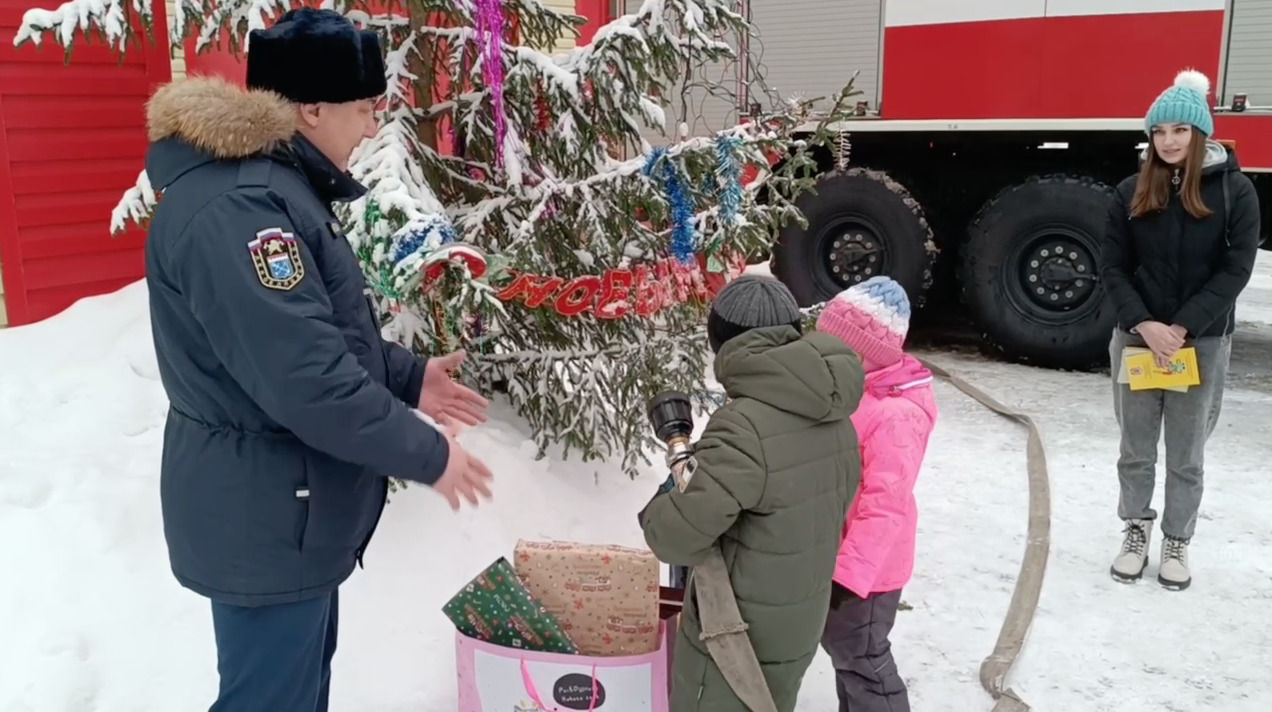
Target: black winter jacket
(1176,269)
(287,409)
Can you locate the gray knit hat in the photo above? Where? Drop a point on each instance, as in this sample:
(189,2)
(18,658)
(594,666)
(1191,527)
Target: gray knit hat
(750,302)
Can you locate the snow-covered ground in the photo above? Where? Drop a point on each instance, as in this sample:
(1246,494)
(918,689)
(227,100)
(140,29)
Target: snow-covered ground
(91,619)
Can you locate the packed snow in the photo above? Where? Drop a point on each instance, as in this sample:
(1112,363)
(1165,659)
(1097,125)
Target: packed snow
(92,620)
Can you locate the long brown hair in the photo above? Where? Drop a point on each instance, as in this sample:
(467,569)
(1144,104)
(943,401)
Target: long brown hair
(1152,188)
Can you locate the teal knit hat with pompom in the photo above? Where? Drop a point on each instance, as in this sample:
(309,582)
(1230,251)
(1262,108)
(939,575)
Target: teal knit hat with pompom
(1183,103)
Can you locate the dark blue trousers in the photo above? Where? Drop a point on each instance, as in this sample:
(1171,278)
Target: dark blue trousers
(275,658)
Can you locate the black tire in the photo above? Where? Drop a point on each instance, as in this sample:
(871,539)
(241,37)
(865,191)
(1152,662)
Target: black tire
(1029,272)
(863,223)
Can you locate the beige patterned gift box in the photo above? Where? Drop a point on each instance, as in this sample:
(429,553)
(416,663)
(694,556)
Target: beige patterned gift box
(605,597)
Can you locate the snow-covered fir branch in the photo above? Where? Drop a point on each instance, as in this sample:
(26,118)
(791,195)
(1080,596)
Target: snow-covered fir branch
(231,20)
(385,22)
(591,91)
(596,395)
(610,175)
(109,19)
(114,20)
(136,205)
(608,352)
(389,164)
(460,36)
(184,12)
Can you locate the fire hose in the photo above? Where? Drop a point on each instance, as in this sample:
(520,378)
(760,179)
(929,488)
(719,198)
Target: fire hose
(1024,598)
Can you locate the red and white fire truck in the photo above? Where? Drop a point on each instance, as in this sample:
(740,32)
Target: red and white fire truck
(990,132)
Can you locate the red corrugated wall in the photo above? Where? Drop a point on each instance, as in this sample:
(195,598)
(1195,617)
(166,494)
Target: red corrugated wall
(72,140)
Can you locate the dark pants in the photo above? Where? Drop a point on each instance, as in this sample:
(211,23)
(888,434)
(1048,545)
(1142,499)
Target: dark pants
(275,658)
(856,638)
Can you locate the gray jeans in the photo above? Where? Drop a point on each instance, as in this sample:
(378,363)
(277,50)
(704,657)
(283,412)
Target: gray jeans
(1190,419)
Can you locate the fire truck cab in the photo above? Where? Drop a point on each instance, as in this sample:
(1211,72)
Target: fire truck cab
(989,133)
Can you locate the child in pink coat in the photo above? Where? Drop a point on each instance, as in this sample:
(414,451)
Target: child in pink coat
(893,422)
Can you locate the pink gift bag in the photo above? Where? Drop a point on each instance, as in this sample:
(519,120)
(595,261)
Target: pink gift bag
(493,678)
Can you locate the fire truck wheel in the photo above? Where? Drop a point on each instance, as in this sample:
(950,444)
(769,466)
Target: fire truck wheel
(861,224)
(1029,275)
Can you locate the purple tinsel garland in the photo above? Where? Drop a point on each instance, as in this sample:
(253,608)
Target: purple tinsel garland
(490,29)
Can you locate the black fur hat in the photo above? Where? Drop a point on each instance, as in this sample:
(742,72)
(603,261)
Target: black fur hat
(312,56)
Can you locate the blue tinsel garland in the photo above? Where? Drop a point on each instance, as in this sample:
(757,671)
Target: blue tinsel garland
(731,176)
(423,233)
(682,234)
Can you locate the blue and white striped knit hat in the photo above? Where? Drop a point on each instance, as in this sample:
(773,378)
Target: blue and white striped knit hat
(873,318)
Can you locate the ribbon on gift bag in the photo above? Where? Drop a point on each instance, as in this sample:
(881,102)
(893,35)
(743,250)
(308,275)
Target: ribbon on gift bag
(534,692)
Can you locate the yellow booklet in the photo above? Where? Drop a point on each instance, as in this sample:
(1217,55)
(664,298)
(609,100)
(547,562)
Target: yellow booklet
(1141,373)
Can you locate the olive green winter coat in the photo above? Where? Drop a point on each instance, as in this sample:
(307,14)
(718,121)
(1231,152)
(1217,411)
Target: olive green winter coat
(778,467)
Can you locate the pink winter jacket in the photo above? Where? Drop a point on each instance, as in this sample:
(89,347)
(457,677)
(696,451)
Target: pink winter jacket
(895,419)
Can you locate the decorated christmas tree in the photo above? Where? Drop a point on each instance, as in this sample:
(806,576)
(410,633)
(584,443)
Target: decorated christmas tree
(517,206)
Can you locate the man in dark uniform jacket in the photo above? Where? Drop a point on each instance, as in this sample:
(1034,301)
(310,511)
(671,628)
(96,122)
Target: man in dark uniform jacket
(288,411)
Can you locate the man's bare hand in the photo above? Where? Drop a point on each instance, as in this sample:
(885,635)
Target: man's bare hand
(441,397)
(465,476)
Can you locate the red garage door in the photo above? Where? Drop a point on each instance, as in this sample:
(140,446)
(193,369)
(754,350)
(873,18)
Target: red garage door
(72,140)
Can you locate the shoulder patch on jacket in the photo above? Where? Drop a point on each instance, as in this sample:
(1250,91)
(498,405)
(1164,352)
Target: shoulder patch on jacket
(277,258)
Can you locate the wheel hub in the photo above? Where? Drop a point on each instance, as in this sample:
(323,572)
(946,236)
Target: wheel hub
(854,255)
(1059,273)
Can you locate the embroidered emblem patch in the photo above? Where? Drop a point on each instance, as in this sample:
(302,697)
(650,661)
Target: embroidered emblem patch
(277,258)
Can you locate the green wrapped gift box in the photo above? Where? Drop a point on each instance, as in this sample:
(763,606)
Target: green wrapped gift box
(495,607)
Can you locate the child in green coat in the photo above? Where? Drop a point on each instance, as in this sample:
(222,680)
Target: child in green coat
(777,469)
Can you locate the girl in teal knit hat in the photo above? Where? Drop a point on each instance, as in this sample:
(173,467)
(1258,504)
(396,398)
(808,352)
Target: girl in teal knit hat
(1179,247)
(1180,125)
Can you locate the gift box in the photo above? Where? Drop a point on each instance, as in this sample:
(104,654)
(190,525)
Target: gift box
(606,597)
(496,607)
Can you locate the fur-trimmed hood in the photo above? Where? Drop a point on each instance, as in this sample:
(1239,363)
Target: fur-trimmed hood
(219,118)
(198,121)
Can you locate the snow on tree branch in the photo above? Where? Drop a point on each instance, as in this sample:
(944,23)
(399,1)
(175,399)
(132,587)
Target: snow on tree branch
(107,18)
(233,19)
(115,21)
(389,166)
(136,205)
(610,176)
